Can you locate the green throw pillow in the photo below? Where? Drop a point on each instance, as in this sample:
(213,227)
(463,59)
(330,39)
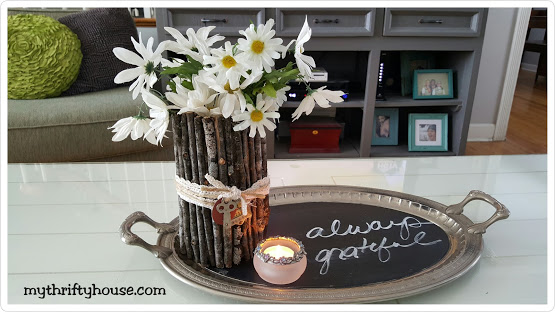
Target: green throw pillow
(44,57)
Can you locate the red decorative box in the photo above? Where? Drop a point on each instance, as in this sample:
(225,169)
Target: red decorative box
(315,135)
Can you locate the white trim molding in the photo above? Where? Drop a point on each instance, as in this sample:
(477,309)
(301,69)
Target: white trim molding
(480,132)
(511,76)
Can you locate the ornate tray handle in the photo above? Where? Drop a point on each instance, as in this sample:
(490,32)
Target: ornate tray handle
(131,238)
(501,211)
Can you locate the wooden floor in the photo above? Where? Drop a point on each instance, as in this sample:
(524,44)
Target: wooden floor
(527,131)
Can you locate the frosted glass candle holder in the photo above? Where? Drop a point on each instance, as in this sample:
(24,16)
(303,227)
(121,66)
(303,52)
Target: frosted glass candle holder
(280,260)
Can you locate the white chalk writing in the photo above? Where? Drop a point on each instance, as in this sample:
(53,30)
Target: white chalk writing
(382,249)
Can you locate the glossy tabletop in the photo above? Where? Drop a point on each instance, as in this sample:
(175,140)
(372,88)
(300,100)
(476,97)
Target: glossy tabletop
(63,222)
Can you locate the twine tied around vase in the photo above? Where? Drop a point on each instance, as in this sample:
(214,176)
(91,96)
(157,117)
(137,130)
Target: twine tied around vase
(207,195)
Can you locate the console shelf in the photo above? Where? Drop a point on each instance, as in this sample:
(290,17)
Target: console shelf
(404,101)
(353,52)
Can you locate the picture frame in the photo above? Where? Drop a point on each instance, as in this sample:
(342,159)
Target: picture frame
(386,126)
(428,132)
(433,84)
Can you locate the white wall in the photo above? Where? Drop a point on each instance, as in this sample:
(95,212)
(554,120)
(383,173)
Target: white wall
(493,65)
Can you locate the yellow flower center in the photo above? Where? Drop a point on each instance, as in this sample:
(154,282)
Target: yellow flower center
(228,88)
(257,116)
(228,61)
(257,46)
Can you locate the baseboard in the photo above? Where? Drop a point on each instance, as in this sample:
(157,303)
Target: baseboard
(529,67)
(481,132)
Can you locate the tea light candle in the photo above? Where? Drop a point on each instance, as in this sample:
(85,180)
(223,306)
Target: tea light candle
(279,251)
(280,260)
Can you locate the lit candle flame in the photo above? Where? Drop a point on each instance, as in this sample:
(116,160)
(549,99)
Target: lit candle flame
(279,251)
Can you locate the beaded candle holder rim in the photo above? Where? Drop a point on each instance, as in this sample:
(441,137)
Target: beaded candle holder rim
(297,256)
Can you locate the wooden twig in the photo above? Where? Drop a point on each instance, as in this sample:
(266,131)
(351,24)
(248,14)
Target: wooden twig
(197,221)
(229,147)
(231,180)
(237,252)
(186,161)
(264,157)
(266,207)
(252,161)
(246,157)
(179,171)
(258,156)
(242,168)
(202,170)
(238,164)
(212,153)
(259,173)
(220,146)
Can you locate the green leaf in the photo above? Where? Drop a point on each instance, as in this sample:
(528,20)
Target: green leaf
(234,50)
(186,70)
(170,71)
(248,99)
(187,84)
(171,83)
(286,78)
(269,90)
(195,63)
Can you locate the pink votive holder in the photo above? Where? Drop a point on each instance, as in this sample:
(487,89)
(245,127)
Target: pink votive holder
(277,269)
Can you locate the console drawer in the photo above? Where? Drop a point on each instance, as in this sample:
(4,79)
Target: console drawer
(326,22)
(228,22)
(463,22)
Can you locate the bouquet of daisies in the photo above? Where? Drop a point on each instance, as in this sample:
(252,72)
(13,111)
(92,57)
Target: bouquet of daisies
(237,81)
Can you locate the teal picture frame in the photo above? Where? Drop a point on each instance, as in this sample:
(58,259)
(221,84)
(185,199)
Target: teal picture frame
(421,132)
(385,120)
(421,88)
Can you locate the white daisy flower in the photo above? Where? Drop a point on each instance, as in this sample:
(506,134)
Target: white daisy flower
(200,100)
(226,65)
(195,45)
(319,96)
(146,63)
(230,99)
(259,47)
(137,126)
(181,96)
(281,96)
(256,118)
(160,114)
(305,63)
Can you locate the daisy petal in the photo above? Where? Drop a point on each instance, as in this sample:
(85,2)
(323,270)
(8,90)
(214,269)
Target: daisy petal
(128,75)
(128,57)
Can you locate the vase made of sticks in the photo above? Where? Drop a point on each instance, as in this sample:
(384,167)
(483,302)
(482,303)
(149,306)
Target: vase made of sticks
(208,145)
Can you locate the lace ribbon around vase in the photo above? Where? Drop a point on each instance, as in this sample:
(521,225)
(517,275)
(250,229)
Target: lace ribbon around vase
(207,195)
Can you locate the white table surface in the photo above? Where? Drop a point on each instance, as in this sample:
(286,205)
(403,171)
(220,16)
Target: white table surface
(63,222)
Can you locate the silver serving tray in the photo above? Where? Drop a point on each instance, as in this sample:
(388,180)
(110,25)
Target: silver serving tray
(465,248)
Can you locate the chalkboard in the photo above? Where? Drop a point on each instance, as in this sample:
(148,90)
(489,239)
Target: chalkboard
(351,245)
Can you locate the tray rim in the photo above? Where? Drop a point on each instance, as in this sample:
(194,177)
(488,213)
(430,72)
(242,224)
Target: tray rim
(464,252)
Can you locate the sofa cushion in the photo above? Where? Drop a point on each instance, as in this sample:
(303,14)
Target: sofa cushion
(74,128)
(100,31)
(43,57)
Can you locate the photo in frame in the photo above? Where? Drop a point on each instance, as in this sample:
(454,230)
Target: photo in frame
(433,84)
(428,132)
(386,126)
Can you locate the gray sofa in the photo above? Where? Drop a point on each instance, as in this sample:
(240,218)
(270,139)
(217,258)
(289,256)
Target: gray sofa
(74,128)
